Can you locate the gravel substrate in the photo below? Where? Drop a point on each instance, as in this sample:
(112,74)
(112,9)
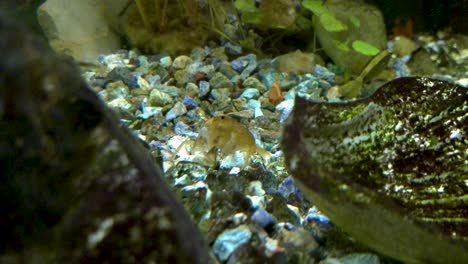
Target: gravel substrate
(247,205)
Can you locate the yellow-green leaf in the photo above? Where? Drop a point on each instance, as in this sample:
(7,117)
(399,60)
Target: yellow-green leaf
(364,48)
(341,45)
(356,22)
(245,5)
(331,23)
(251,17)
(316,6)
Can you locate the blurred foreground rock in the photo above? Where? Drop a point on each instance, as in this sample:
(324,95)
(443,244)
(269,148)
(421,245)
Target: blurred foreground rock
(76,187)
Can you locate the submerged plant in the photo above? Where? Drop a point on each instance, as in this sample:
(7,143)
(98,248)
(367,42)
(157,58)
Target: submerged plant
(332,24)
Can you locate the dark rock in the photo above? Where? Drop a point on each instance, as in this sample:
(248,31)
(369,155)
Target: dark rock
(394,161)
(189,103)
(263,219)
(67,163)
(123,74)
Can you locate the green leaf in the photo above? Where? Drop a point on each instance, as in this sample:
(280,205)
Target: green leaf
(341,45)
(304,23)
(356,22)
(245,5)
(331,23)
(364,48)
(316,6)
(251,17)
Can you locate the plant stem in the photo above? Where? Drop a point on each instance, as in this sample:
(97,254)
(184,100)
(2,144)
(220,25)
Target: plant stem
(143,15)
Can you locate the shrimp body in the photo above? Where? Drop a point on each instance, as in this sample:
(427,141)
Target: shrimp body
(224,134)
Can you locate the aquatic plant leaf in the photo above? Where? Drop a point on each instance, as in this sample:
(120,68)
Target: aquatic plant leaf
(252,17)
(389,169)
(245,5)
(316,6)
(365,48)
(341,46)
(331,23)
(355,21)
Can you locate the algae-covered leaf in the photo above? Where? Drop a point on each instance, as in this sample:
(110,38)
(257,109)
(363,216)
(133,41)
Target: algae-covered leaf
(245,5)
(316,6)
(251,17)
(331,23)
(355,21)
(365,48)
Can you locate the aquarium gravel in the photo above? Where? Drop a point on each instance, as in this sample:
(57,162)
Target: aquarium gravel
(249,210)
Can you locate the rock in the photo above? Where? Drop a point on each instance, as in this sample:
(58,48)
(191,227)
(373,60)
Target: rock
(309,89)
(250,93)
(116,90)
(123,74)
(176,111)
(245,65)
(323,73)
(297,62)
(84,39)
(189,103)
(359,259)
(84,179)
(159,98)
(181,61)
(183,129)
(253,82)
(228,241)
(371,29)
(220,81)
(120,103)
(411,175)
(165,61)
(287,187)
(403,46)
(204,88)
(263,219)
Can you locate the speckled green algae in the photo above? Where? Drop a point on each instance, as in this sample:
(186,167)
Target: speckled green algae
(391,169)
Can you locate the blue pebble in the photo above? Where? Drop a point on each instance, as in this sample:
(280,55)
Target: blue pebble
(399,66)
(314,216)
(228,241)
(189,103)
(154,79)
(176,111)
(288,187)
(239,64)
(262,218)
(252,58)
(286,108)
(250,93)
(183,129)
(323,73)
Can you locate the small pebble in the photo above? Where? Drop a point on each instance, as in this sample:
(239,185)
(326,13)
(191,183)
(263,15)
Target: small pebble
(323,73)
(176,111)
(263,218)
(250,93)
(228,241)
(165,61)
(181,61)
(123,74)
(189,103)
